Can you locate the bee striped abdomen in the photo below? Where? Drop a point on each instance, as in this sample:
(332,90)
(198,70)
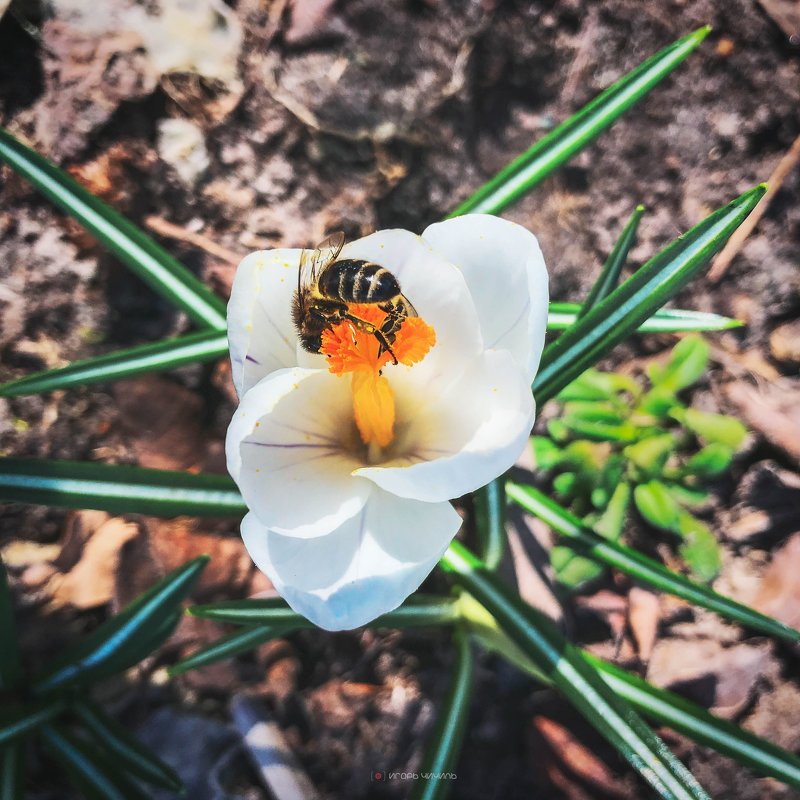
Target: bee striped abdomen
(355,281)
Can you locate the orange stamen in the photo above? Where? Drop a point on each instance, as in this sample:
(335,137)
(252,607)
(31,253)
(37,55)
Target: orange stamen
(354,348)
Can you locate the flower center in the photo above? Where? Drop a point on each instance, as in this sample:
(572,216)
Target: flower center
(352,347)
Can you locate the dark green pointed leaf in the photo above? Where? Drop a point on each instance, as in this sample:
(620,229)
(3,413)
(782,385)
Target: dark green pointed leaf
(240,641)
(641,567)
(666,320)
(418,610)
(609,275)
(440,759)
(210,345)
(536,163)
(88,768)
(490,522)
(158,357)
(659,705)
(120,638)
(19,719)
(129,244)
(608,323)
(10,667)
(539,639)
(124,749)
(12,771)
(690,719)
(118,489)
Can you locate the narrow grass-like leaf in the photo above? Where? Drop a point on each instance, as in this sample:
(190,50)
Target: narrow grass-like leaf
(550,152)
(659,705)
(157,357)
(165,274)
(490,522)
(123,632)
(641,567)
(419,610)
(628,306)
(209,345)
(666,320)
(12,771)
(539,639)
(125,750)
(118,489)
(88,768)
(19,719)
(240,641)
(10,667)
(442,752)
(690,719)
(609,276)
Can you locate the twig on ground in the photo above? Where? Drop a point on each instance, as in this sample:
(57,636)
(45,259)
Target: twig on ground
(163,227)
(774,183)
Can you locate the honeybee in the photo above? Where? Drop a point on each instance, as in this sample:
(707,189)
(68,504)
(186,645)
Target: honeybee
(326,288)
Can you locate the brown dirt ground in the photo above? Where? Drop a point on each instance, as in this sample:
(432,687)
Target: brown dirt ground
(364,115)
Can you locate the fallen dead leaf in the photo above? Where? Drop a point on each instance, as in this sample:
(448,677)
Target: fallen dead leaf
(784,342)
(786,14)
(644,614)
(779,592)
(90,583)
(163,420)
(580,761)
(772,410)
(722,678)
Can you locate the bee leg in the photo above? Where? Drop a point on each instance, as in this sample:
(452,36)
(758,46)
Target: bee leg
(378,333)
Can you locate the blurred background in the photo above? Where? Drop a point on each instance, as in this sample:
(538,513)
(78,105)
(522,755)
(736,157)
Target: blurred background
(223,128)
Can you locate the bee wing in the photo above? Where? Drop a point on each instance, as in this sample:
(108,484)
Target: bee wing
(408,308)
(312,262)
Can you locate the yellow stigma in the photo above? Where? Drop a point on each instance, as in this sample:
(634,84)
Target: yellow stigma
(351,348)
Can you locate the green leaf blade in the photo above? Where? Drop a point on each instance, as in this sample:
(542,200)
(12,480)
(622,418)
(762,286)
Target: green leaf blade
(609,275)
(88,768)
(636,299)
(550,152)
(118,641)
(641,567)
(441,753)
(10,665)
(12,771)
(666,320)
(118,489)
(537,637)
(158,357)
(133,247)
(124,749)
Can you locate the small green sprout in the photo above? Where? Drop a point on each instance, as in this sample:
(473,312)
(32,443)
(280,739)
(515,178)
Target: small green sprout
(617,442)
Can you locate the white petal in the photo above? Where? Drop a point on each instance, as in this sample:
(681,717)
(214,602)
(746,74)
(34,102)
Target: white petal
(435,288)
(364,568)
(460,439)
(286,450)
(261,334)
(507,277)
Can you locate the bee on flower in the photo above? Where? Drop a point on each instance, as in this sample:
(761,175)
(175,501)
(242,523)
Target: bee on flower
(378,380)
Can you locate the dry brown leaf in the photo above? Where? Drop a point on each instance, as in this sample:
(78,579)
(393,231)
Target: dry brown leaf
(644,614)
(715,676)
(581,762)
(772,410)
(163,419)
(779,593)
(90,583)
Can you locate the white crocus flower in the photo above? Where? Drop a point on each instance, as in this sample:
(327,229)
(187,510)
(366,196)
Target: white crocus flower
(348,462)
